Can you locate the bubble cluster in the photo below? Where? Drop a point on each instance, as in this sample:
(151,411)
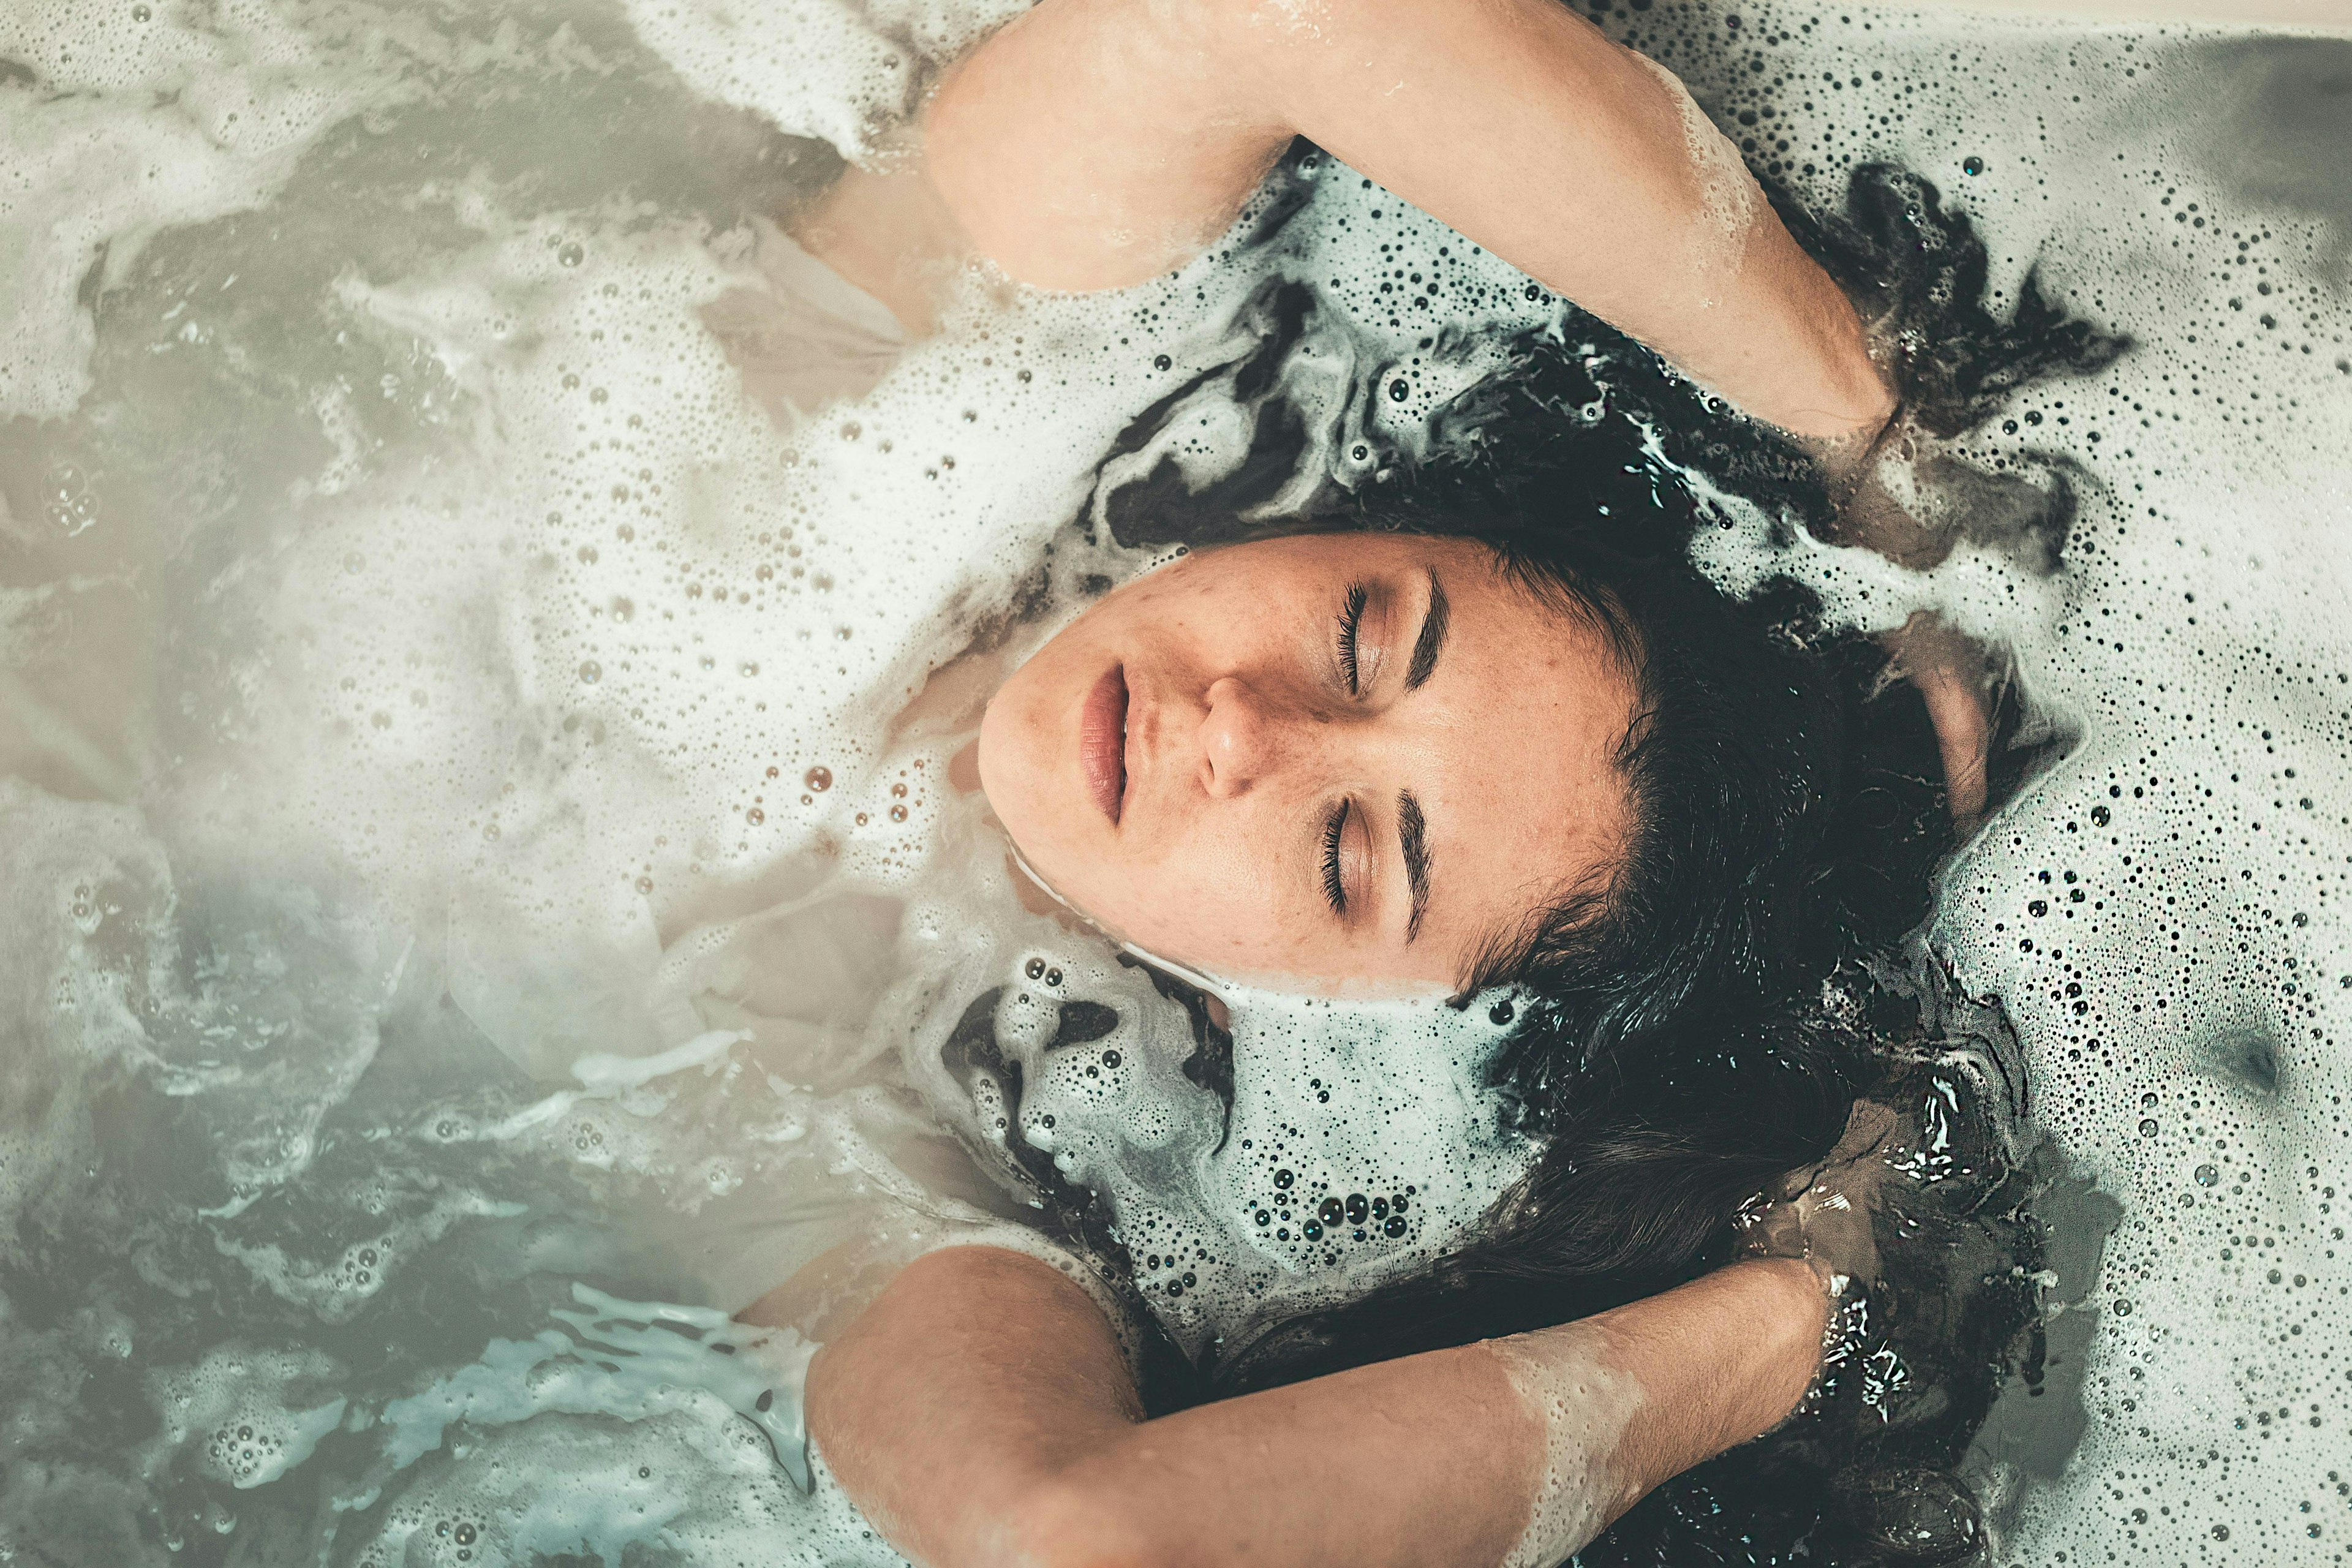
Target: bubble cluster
(239,1413)
(848,74)
(526,884)
(1299,1155)
(2162,913)
(138,123)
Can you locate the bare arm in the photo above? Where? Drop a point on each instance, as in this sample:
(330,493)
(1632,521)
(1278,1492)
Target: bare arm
(980,1413)
(1092,144)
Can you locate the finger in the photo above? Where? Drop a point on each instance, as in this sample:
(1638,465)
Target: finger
(1963,734)
(1867,1128)
(1947,671)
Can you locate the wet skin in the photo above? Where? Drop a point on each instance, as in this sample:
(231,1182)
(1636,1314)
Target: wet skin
(1344,763)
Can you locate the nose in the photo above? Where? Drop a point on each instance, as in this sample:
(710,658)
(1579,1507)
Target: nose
(1244,738)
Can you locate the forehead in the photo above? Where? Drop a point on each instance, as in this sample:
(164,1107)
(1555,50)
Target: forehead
(1515,761)
(1349,550)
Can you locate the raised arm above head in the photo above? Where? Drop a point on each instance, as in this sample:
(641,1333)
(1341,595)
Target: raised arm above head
(980,1413)
(1092,144)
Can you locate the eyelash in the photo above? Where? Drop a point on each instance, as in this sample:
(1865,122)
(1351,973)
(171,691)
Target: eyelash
(1351,616)
(1335,890)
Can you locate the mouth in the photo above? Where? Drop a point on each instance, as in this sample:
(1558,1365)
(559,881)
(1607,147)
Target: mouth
(1102,742)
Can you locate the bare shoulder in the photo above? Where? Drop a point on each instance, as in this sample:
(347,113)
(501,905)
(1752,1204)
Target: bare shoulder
(963,1295)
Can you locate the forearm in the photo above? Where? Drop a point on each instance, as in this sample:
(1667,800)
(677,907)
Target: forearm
(1094,142)
(1590,169)
(1514,1451)
(964,1454)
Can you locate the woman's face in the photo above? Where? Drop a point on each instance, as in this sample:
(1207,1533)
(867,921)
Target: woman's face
(1340,761)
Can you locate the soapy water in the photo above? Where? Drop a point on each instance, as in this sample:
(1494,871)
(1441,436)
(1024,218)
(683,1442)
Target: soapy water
(459,863)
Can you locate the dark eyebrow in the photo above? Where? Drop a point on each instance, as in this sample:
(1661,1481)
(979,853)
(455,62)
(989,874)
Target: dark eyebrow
(1412,839)
(1431,641)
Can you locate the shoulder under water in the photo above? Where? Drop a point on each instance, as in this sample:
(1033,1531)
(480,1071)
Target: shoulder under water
(426,675)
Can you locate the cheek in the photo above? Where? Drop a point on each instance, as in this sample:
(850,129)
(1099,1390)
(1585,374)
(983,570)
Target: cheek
(1006,743)
(1204,901)
(1015,762)
(1198,613)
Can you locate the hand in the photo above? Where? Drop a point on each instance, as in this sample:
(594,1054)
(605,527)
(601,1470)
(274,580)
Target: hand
(1948,669)
(1821,1213)
(1949,672)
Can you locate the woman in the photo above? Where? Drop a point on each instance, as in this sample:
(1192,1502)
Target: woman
(1381,765)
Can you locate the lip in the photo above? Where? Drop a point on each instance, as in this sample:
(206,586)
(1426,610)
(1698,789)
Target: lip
(1102,742)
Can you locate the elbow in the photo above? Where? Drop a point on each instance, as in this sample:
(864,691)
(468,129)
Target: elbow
(1082,1522)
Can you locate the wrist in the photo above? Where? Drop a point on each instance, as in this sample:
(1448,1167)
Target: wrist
(1796,1301)
(1839,376)
(1842,443)
(1795,1295)
(1718,1362)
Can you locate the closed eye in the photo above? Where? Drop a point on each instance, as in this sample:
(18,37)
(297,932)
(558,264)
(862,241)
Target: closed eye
(1351,621)
(1334,886)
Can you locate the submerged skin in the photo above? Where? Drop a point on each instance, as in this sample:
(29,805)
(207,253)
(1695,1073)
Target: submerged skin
(1282,821)
(978,1410)
(982,1415)
(1094,143)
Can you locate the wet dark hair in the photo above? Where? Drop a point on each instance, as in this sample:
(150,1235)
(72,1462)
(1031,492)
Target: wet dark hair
(1667,1043)
(1700,1021)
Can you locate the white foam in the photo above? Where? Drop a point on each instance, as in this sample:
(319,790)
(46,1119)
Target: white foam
(844,73)
(377,770)
(2162,914)
(140,117)
(1731,202)
(1361,1143)
(238,1413)
(1563,1378)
